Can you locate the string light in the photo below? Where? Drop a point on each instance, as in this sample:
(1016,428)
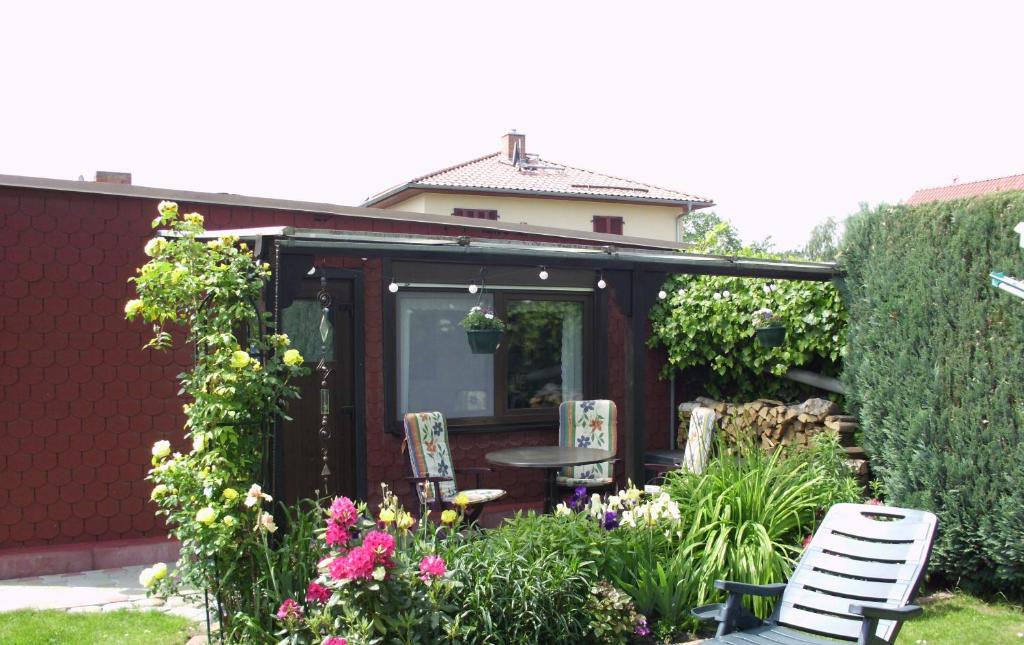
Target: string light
(662,295)
(601,284)
(473,288)
(393,287)
(543,273)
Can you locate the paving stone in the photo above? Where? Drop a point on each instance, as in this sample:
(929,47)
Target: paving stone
(86,609)
(150,602)
(114,606)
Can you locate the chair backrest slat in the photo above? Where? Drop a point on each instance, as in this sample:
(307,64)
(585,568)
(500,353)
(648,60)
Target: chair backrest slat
(429,454)
(860,552)
(588,424)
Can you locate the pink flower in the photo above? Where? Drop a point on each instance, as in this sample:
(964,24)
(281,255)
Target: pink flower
(381,544)
(337,535)
(431,566)
(875,502)
(289,610)
(356,565)
(335,640)
(344,512)
(807,541)
(316,592)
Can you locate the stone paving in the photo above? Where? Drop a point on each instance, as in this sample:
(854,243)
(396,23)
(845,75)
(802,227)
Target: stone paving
(95,591)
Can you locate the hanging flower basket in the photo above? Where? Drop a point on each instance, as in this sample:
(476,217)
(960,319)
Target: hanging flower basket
(484,341)
(771,336)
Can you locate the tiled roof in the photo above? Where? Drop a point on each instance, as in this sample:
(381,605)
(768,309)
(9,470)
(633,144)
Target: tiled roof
(494,173)
(970,189)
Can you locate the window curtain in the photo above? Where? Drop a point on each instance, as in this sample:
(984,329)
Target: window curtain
(572,352)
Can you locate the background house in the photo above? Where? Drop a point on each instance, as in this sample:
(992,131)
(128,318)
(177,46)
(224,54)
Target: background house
(516,186)
(968,189)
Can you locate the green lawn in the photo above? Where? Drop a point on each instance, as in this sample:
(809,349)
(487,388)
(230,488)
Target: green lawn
(957,619)
(124,627)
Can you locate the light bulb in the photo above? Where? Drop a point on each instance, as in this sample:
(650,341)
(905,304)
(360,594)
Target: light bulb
(681,292)
(473,288)
(543,273)
(662,295)
(393,287)
(601,284)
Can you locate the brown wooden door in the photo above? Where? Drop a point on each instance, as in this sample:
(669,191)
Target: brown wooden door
(302,447)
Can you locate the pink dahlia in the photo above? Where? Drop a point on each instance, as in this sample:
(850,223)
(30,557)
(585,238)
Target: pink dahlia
(344,512)
(337,535)
(357,564)
(289,610)
(381,544)
(316,592)
(335,640)
(432,566)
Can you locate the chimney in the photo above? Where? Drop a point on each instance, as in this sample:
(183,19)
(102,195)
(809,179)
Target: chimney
(508,145)
(112,177)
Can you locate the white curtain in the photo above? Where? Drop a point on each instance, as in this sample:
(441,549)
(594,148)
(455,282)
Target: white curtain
(572,352)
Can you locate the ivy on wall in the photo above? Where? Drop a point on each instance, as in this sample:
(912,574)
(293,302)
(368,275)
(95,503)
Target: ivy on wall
(708,321)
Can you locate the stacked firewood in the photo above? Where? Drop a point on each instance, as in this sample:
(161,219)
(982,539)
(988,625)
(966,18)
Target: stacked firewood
(771,424)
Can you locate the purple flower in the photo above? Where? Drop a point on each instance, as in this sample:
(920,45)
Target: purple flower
(641,628)
(610,520)
(578,500)
(586,406)
(583,442)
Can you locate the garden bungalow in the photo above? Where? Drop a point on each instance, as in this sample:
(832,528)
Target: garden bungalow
(82,404)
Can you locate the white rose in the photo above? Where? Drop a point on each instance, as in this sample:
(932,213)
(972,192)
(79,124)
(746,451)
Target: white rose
(161,448)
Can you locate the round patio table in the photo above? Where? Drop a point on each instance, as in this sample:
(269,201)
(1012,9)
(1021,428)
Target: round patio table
(551,459)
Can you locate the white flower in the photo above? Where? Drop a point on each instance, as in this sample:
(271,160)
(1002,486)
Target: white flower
(154,246)
(161,448)
(379,573)
(267,523)
(198,442)
(562,510)
(489,316)
(255,494)
(614,503)
(150,575)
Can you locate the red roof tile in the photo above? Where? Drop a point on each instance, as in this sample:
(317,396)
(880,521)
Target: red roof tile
(534,175)
(970,189)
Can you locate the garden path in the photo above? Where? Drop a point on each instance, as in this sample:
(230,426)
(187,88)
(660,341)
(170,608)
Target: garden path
(94,591)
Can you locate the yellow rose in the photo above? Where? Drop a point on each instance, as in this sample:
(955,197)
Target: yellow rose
(461,500)
(449,516)
(161,448)
(132,308)
(293,357)
(168,209)
(159,491)
(206,515)
(194,218)
(230,494)
(387,516)
(177,274)
(155,246)
(256,366)
(240,359)
(159,571)
(229,521)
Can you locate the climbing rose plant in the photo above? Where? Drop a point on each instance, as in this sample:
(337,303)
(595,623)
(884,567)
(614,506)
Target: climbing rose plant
(237,386)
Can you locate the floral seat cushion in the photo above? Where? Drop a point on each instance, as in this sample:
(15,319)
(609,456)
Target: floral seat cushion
(587,424)
(427,436)
(478,495)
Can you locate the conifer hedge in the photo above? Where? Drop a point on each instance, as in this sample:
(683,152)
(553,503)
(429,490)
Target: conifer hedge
(935,370)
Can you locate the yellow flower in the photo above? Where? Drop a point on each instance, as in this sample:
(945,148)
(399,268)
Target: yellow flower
(240,359)
(214,245)
(149,576)
(155,246)
(159,571)
(198,442)
(161,448)
(229,521)
(387,516)
(379,573)
(292,357)
(194,218)
(159,491)
(177,274)
(281,340)
(461,500)
(132,308)
(206,515)
(405,521)
(256,366)
(230,494)
(449,516)
(167,209)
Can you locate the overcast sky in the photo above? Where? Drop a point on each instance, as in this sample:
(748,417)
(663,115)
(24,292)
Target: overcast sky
(783,113)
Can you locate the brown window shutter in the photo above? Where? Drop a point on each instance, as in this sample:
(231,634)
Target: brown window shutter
(475,213)
(608,224)
(615,225)
(600,224)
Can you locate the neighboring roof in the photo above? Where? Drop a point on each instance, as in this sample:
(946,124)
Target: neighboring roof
(228,199)
(969,189)
(537,177)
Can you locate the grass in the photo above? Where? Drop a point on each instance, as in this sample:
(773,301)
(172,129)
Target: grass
(957,618)
(125,627)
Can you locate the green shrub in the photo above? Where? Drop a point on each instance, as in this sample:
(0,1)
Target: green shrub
(748,515)
(709,328)
(934,372)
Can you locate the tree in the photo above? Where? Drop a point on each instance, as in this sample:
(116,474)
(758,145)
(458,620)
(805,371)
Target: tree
(823,244)
(710,232)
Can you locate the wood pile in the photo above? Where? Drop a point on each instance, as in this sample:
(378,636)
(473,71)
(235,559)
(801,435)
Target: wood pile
(771,424)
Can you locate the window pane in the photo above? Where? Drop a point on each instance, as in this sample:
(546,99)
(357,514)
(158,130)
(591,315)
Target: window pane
(436,370)
(303,322)
(545,353)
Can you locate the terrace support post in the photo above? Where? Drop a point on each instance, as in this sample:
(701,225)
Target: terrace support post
(644,289)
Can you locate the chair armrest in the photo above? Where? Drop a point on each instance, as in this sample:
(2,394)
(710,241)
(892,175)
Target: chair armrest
(880,611)
(474,469)
(705,613)
(428,479)
(763,591)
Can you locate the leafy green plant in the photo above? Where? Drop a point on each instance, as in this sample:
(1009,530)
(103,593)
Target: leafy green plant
(934,373)
(706,321)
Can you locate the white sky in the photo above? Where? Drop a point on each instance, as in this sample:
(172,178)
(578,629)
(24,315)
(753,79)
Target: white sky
(784,113)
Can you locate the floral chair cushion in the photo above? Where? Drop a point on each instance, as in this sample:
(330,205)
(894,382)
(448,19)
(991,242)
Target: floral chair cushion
(427,436)
(587,424)
(478,495)
(698,441)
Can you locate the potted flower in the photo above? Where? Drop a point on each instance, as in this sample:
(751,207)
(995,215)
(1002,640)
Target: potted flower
(483,330)
(769,328)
